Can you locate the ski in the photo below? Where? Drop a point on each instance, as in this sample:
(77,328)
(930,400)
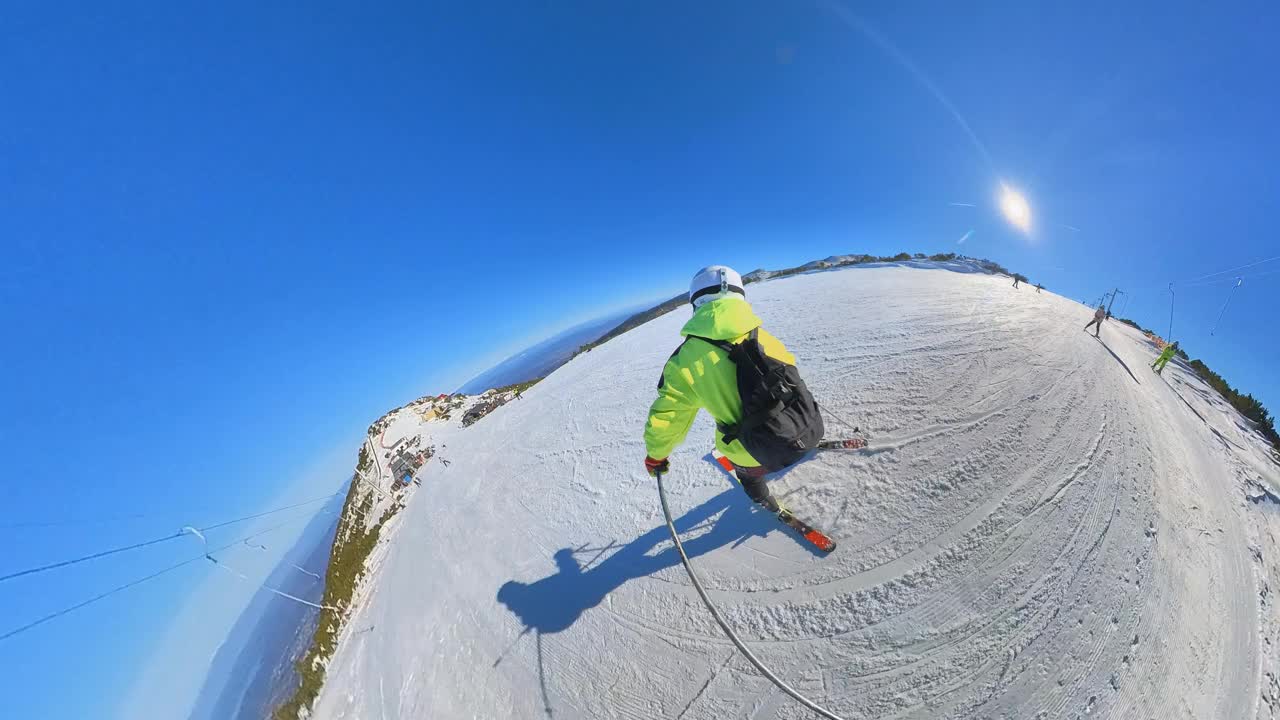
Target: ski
(856,443)
(723,462)
(811,534)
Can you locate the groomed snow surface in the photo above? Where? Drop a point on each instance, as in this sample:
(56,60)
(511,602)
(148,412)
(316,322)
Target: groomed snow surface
(1042,528)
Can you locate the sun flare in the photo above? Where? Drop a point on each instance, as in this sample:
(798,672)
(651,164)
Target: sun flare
(1015,208)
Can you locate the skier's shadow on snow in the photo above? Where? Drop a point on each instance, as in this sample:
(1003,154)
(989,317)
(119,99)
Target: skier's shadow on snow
(1117,357)
(555,602)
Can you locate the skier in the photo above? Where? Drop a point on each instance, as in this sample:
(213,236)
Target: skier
(1165,356)
(766,420)
(1015,281)
(1039,287)
(1098,316)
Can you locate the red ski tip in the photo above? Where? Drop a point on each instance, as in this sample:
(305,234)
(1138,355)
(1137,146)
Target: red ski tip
(725,463)
(822,542)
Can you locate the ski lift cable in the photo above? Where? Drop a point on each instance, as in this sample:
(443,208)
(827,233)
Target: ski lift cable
(303,570)
(1239,282)
(204,541)
(268,588)
(697,585)
(155,541)
(1253,276)
(132,583)
(1219,281)
(96,598)
(1215,282)
(86,558)
(271,512)
(1231,270)
(1213,278)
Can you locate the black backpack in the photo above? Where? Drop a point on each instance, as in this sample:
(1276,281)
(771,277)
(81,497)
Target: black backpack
(780,419)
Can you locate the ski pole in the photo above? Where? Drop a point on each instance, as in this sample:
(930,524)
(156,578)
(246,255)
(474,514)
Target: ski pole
(1239,282)
(839,419)
(697,585)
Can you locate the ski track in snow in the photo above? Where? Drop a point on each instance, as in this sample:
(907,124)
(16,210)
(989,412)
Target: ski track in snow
(1041,528)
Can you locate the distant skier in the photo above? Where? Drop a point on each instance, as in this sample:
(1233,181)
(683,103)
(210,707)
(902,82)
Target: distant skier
(1098,316)
(1015,281)
(1165,356)
(1039,287)
(780,421)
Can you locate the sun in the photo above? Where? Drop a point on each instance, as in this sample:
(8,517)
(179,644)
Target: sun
(1015,208)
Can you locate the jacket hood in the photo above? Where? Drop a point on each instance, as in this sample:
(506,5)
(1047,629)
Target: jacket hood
(723,319)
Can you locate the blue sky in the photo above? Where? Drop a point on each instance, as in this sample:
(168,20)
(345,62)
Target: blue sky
(233,234)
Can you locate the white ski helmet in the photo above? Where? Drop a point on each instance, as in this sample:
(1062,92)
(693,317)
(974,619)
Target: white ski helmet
(713,283)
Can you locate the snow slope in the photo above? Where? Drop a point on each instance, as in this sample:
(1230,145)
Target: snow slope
(1042,528)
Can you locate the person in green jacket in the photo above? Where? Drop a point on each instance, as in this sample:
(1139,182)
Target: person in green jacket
(698,375)
(1166,355)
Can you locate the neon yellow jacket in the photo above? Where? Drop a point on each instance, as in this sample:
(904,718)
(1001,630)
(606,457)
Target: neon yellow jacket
(699,375)
(1168,352)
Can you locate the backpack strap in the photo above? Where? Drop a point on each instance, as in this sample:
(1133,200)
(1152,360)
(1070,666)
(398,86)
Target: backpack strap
(739,356)
(722,344)
(736,351)
(730,432)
